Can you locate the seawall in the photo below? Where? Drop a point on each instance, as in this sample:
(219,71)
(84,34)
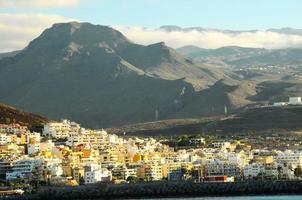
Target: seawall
(165,189)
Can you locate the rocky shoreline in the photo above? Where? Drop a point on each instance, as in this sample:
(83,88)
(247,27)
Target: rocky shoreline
(165,189)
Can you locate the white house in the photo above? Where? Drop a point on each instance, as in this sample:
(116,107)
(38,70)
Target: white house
(280,103)
(4,139)
(295,101)
(94,173)
(253,170)
(47,146)
(54,166)
(33,149)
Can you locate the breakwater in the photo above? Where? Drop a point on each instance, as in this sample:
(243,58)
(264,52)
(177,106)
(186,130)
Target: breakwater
(165,189)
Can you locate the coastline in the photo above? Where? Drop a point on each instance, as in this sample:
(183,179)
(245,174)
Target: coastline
(164,189)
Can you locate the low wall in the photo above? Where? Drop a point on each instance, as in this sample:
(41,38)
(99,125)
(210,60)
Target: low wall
(165,189)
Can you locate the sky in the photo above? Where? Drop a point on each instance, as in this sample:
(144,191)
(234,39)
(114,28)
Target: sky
(23,20)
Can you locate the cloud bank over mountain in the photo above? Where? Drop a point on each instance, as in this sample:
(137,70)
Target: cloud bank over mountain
(212,38)
(17,30)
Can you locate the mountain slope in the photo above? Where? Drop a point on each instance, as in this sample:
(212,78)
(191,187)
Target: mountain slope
(95,75)
(10,114)
(257,120)
(8,54)
(241,57)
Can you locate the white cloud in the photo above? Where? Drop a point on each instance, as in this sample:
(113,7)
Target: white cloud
(17,30)
(38,3)
(211,39)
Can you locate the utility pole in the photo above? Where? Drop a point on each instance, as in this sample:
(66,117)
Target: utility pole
(225,110)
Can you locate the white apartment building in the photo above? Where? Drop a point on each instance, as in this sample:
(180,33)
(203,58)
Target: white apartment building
(253,170)
(33,149)
(240,159)
(94,173)
(54,166)
(122,172)
(12,128)
(5,166)
(221,145)
(25,167)
(61,129)
(292,101)
(221,168)
(295,101)
(293,158)
(4,138)
(47,146)
(95,139)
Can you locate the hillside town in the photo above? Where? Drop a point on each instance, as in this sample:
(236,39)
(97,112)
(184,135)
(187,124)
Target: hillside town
(65,153)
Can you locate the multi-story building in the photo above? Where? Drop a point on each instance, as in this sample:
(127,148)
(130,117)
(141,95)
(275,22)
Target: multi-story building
(5,166)
(61,129)
(221,168)
(293,158)
(33,149)
(151,172)
(13,128)
(96,138)
(4,138)
(94,173)
(253,170)
(26,168)
(123,172)
(53,166)
(170,167)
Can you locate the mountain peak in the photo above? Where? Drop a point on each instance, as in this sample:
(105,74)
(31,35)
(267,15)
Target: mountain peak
(159,45)
(61,35)
(170,28)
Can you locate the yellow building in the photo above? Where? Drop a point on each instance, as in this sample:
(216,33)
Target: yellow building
(23,139)
(264,159)
(78,173)
(139,157)
(169,167)
(150,172)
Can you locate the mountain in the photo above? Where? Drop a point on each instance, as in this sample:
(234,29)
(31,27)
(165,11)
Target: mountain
(261,120)
(10,114)
(190,50)
(226,54)
(8,54)
(94,75)
(286,31)
(171,28)
(234,56)
(285,57)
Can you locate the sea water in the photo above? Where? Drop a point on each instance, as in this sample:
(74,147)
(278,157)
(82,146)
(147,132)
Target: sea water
(281,197)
